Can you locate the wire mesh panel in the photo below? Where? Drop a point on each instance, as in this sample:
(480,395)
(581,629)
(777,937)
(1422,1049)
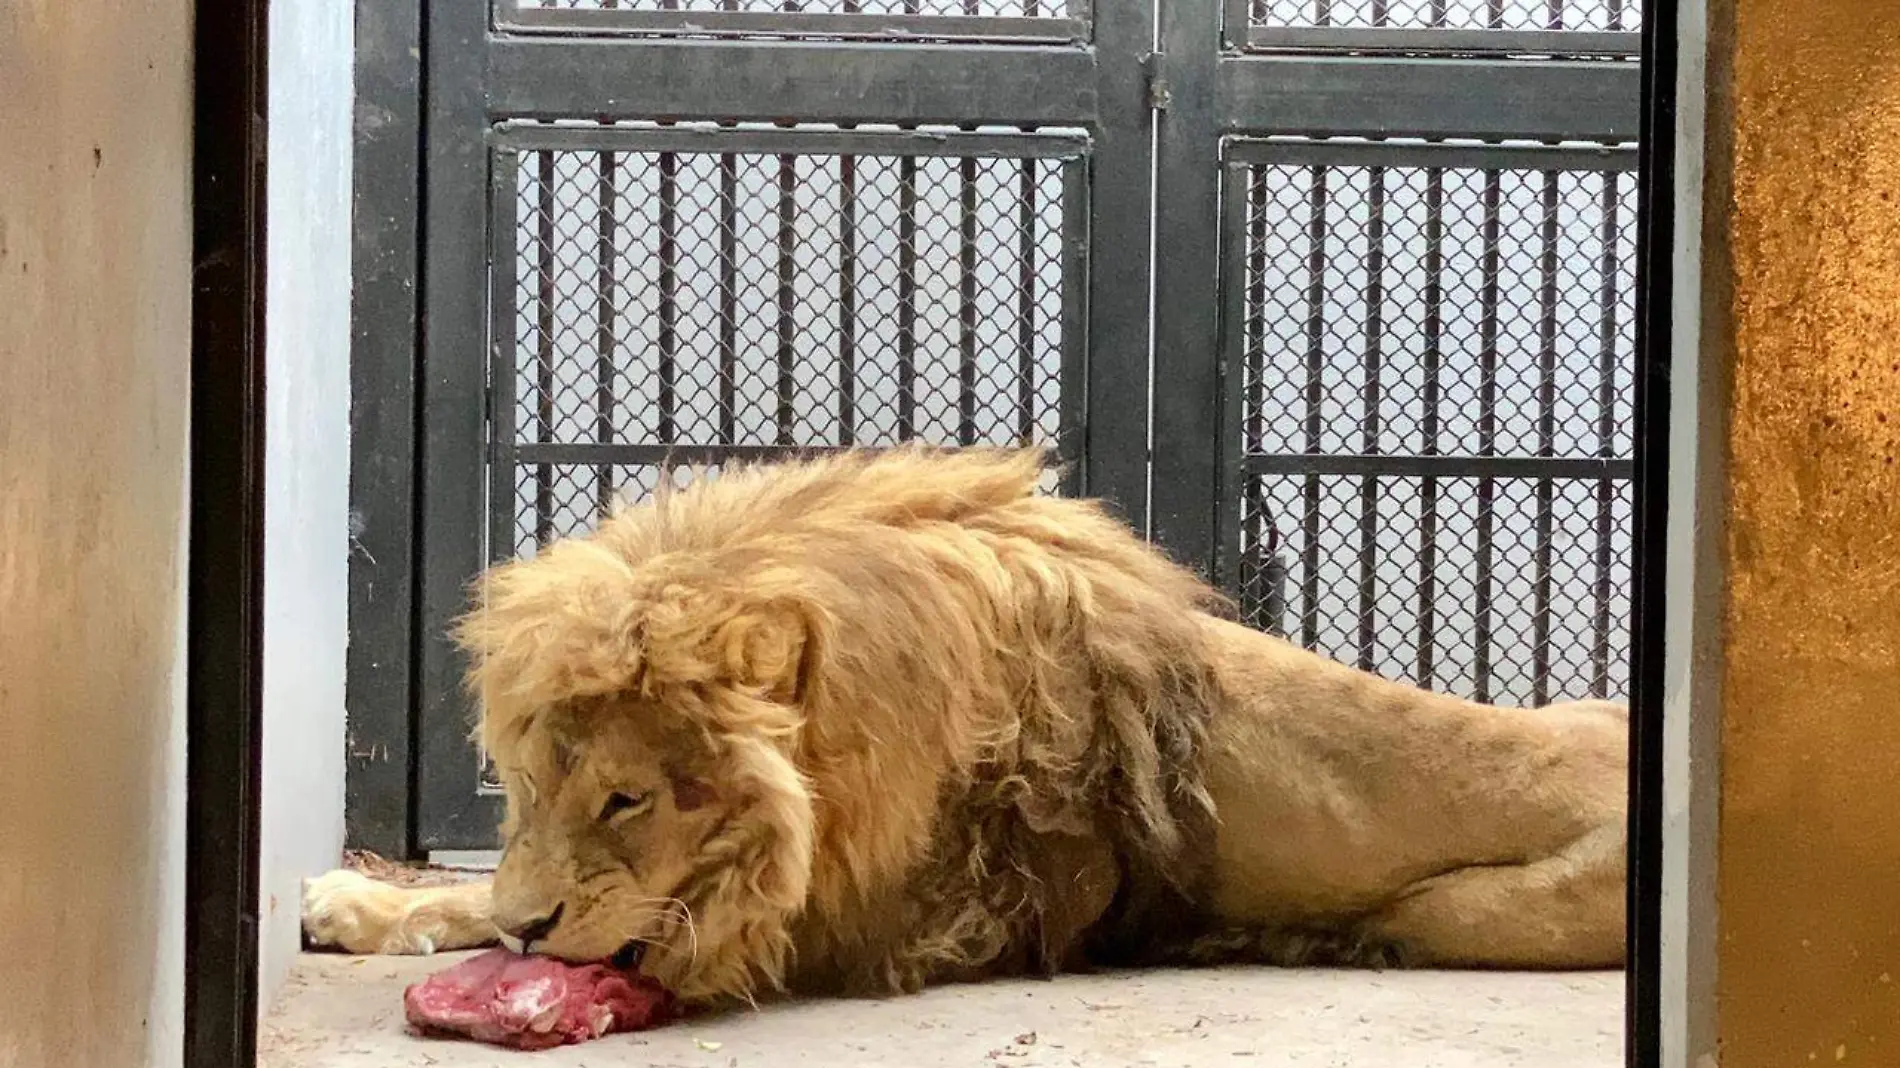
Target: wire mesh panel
(1561,27)
(666,298)
(894,20)
(1431,437)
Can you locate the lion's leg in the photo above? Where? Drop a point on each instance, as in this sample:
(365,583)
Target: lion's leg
(349,911)
(1563,911)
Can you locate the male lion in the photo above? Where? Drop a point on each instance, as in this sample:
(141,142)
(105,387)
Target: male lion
(858,724)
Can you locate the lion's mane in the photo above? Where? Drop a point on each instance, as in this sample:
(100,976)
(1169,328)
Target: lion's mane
(922,676)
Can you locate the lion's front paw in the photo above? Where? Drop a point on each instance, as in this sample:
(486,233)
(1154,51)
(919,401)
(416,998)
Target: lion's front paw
(349,911)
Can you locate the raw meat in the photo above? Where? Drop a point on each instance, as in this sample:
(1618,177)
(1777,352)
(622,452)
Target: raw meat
(531,1003)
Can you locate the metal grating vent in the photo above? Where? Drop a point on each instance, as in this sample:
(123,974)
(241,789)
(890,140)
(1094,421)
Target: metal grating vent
(675,298)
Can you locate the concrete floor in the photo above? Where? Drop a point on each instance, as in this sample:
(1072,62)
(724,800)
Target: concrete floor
(341,1012)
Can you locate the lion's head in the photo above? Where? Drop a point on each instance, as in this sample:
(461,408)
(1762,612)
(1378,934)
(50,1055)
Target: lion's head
(641,720)
(623,820)
(742,704)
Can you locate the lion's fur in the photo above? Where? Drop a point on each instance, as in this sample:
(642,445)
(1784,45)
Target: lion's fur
(937,693)
(862,723)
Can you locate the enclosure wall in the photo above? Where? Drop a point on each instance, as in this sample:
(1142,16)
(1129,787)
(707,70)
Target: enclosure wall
(1810,831)
(307,466)
(95,334)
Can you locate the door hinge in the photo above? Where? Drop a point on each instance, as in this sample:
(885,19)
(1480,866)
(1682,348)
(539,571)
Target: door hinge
(1160,93)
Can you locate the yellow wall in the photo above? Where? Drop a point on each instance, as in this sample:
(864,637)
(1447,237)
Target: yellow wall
(1809,864)
(95,272)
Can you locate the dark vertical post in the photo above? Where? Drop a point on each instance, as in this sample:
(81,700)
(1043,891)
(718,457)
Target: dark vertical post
(224,695)
(966,301)
(668,325)
(1606,489)
(545,350)
(1229,570)
(379,701)
(966,286)
(453,477)
(1026,300)
(728,298)
(847,300)
(606,338)
(1117,217)
(907,298)
(504,360)
(1315,399)
(1546,444)
(1072,413)
(1260,529)
(1656,248)
(1372,400)
(1428,420)
(787,298)
(1190,501)
(1487,429)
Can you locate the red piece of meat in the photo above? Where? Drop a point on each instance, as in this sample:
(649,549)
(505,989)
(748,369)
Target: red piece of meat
(533,1003)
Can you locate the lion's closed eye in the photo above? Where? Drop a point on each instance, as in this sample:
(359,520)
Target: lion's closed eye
(619,805)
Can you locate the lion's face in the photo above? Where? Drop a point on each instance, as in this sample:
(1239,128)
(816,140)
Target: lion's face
(608,813)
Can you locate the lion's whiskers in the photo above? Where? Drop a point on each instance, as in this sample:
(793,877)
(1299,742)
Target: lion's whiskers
(675,913)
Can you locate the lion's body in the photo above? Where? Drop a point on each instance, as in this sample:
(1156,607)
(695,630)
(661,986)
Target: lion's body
(1463,833)
(912,722)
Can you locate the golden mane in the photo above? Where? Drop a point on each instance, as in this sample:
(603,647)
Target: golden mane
(918,672)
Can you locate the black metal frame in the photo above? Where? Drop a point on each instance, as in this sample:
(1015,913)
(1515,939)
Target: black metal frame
(1656,243)
(1238,94)
(225,587)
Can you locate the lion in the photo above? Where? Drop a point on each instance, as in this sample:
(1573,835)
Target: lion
(863,723)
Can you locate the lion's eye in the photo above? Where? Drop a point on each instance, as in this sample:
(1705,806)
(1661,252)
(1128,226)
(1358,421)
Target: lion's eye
(619,804)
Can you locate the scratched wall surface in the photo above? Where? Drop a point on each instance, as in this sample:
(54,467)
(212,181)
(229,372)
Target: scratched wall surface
(1810,841)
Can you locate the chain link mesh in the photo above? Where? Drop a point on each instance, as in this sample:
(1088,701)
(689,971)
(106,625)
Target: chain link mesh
(1442,581)
(1600,15)
(720,301)
(1422,311)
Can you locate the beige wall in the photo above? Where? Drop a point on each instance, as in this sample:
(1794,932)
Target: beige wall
(1809,859)
(95,260)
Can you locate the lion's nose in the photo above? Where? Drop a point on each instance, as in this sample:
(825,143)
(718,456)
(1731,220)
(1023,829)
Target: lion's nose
(535,930)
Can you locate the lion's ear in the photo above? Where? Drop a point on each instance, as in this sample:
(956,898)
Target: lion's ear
(767,651)
(762,647)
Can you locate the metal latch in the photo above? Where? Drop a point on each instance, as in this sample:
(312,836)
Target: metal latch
(1160,93)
